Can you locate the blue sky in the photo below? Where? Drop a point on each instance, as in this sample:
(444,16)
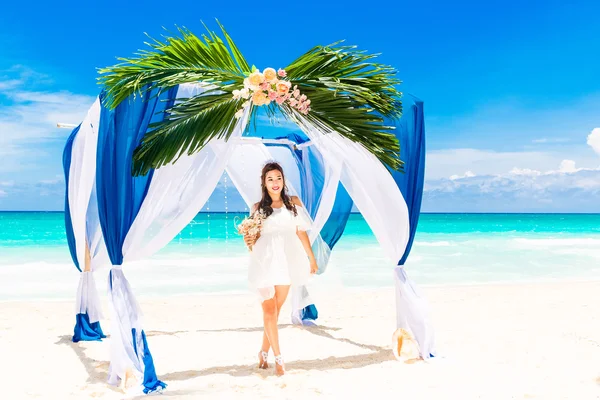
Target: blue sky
(511,89)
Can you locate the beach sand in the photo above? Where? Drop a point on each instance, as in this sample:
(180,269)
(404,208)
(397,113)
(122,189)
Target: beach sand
(517,341)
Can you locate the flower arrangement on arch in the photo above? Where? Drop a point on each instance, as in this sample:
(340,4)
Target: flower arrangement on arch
(261,88)
(335,87)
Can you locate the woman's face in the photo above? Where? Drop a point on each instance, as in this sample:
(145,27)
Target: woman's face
(274,182)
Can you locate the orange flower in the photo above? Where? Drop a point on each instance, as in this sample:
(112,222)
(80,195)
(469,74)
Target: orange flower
(283,87)
(259,98)
(270,74)
(256,78)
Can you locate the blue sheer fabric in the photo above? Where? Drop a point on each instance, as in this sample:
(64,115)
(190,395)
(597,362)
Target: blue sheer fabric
(68,223)
(410,131)
(86,331)
(120,195)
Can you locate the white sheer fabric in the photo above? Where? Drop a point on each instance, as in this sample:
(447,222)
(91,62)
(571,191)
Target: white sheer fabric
(381,203)
(98,253)
(412,312)
(176,194)
(125,316)
(88,300)
(82,177)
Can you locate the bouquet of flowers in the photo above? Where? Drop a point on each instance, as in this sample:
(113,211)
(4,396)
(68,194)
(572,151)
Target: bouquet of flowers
(251,225)
(261,88)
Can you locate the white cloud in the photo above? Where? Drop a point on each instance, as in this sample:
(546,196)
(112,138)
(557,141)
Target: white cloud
(532,183)
(524,172)
(444,163)
(566,189)
(467,174)
(10,84)
(28,120)
(59,179)
(593,140)
(550,140)
(25,196)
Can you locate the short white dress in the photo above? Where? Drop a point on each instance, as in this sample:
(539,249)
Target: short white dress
(278,256)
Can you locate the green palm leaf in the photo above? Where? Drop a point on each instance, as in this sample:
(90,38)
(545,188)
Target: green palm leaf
(189,127)
(192,123)
(351,95)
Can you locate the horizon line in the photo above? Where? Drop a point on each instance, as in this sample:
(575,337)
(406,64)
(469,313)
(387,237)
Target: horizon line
(359,213)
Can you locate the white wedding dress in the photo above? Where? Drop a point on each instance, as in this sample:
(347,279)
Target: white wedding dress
(278,256)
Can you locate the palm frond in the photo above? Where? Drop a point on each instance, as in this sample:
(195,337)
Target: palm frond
(175,61)
(351,94)
(190,125)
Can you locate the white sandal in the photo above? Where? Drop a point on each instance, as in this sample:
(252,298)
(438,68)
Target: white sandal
(279,360)
(265,357)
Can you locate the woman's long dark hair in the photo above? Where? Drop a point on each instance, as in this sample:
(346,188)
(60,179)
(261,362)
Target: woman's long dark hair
(266,201)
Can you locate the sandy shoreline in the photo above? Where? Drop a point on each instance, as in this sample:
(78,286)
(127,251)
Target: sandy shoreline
(502,341)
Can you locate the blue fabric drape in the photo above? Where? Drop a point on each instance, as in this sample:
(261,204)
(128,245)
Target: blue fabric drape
(336,223)
(68,223)
(120,195)
(86,331)
(410,131)
(312,178)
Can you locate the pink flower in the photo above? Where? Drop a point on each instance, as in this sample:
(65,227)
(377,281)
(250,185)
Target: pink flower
(296,93)
(272,95)
(282,73)
(264,85)
(303,97)
(280,100)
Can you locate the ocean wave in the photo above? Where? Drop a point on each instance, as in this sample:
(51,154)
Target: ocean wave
(443,243)
(554,242)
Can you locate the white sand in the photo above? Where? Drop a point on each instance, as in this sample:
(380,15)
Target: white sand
(529,341)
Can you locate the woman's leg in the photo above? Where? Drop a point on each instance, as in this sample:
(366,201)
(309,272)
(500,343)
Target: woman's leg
(281,293)
(271,310)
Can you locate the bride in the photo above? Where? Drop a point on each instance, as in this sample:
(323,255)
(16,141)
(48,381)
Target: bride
(281,255)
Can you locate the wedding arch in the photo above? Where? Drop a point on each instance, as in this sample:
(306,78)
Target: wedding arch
(169,123)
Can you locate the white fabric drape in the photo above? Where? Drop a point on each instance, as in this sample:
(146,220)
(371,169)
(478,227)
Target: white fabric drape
(178,191)
(82,200)
(176,194)
(88,300)
(381,203)
(81,177)
(125,316)
(412,312)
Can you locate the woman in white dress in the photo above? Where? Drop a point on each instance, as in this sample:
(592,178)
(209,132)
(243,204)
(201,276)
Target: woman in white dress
(281,255)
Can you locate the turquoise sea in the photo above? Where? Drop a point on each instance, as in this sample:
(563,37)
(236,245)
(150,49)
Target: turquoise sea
(208,257)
